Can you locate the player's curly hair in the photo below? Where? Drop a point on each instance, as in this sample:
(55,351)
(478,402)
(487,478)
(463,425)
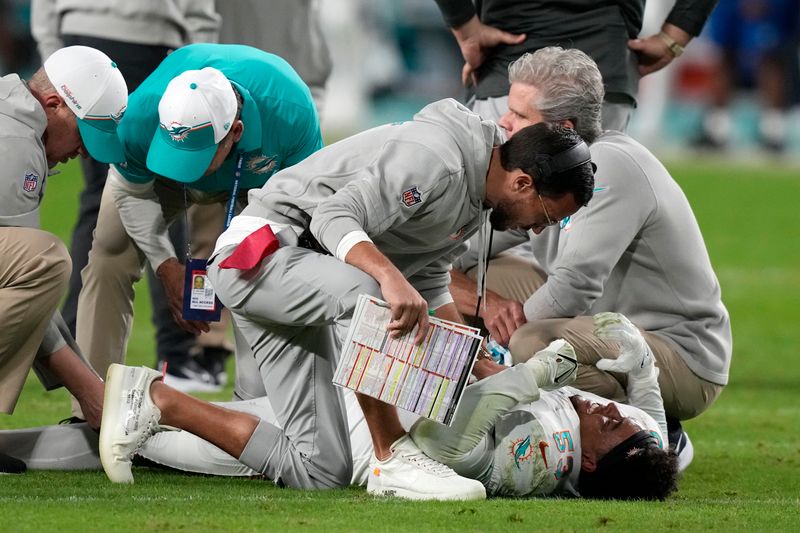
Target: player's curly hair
(650,474)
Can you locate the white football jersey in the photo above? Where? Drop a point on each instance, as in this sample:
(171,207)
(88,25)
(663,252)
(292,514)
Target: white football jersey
(538,445)
(537,448)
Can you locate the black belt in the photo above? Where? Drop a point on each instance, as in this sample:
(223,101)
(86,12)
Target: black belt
(309,242)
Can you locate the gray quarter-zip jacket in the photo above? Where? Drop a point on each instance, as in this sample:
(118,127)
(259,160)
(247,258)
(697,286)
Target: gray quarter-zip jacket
(22,124)
(416,188)
(170,23)
(22,180)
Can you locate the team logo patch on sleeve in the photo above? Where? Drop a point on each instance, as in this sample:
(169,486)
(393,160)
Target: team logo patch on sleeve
(261,164)
(30,182)
(412,196)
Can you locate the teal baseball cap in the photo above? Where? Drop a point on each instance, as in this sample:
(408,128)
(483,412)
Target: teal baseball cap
(95,91)
(195,113)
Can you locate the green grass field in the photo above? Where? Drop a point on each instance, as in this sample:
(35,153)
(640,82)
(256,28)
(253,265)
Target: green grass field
(746,472)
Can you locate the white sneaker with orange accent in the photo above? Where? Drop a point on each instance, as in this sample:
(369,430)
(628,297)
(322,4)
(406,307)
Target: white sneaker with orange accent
(409,473)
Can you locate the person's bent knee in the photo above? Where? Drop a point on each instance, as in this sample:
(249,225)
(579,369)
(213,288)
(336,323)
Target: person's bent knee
(223,280)
(55,260)
(110,239)
(62,262)
(316,475)
(528,340)
(363,284)
(684,410)
(535,336)
(117,261)
(331,476)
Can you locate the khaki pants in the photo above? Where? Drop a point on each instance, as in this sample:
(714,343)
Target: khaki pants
(34,272)
(685,394)
(105,305)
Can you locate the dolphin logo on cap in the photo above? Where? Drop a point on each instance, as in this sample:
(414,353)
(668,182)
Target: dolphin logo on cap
(177,131)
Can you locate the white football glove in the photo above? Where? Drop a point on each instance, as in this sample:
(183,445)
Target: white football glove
(554,366)
(634,358)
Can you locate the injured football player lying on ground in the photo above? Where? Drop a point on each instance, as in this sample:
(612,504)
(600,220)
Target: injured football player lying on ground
(521,431)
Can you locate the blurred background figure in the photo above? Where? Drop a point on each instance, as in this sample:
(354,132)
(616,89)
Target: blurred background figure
(493,33)
(290,29)
(655,90)
(755,47)
(390,59)
(17,47)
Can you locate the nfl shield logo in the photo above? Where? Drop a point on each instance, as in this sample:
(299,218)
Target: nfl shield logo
(30,182)
(411,196)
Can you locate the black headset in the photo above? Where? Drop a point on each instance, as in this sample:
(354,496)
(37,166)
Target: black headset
(547,165)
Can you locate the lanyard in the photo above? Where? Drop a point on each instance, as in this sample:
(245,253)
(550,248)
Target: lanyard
(237,176)
(229,210)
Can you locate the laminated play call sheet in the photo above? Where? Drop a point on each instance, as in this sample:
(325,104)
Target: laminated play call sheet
(427,379)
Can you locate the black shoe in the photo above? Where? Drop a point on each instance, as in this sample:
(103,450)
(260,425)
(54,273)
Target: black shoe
(11,465)
(71,420)
(706,142)
(213,361)
(186,375)
(679,442)
(772,146)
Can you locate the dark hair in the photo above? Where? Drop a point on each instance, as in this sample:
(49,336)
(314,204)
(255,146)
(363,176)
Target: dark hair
(239,102)
(533,149)
(649,473)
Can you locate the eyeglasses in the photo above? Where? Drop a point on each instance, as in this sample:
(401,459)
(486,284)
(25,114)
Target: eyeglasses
(550,221)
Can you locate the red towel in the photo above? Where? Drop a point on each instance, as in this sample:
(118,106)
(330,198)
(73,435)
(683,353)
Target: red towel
(252,250)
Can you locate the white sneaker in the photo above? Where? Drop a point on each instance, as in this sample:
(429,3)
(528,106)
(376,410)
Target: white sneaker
(129,418)
(685,452)
(555,366)
(409,473)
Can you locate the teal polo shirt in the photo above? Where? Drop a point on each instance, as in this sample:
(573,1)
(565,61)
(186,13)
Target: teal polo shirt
(281,126)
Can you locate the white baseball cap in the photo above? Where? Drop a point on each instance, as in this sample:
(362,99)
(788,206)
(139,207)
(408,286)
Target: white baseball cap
(195,113)
(93,88)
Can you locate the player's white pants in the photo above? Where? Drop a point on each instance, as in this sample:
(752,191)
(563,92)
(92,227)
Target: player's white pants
(74,446)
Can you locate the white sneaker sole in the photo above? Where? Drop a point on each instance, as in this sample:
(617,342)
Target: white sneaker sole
(117,471)
(478,493)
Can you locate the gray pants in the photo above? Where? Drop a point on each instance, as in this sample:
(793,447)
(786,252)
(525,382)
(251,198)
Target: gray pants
(293,311)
